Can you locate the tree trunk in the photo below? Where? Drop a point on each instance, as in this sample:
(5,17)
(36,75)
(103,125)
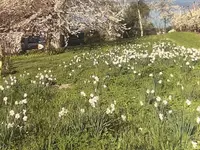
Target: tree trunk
(165,25)
(62,41)
(61,36)
(4,59)
(1,60)
(48,42)
(140,20)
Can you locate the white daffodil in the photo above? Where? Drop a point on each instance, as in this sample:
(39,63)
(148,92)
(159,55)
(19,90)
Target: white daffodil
(12,113)
(188,102)
(82,111)
(1,88)
(148,91)
(158,98)
(156,104)
(24,101)
(170,111)
(152,91)
(108,111)
(25,95)
(5,99)
(10,125)
(198,120)
(25,118)
(83,94)
(91,95)
(187,63)
(62,112)
(123,117)
(194,144)
(161,116)
(151,75)
(170,97)
(198,108)
(112,106)
(165,102)
(17,116)
(141,103)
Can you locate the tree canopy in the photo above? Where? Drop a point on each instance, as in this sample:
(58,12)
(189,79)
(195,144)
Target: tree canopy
(56,17)
(131,17)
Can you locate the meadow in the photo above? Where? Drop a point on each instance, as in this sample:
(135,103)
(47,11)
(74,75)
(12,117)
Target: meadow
(136,95)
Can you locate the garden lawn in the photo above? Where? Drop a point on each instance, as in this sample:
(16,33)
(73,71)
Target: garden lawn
(137,95)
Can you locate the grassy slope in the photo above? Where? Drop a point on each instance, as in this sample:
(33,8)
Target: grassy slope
(123,87)
(32,62)
(187,39)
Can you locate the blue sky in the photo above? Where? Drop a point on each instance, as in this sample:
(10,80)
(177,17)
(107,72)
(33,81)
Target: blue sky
(155,18)
(158,23)
(185,2)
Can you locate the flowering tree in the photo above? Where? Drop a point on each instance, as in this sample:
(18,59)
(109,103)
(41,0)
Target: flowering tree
(187,20)
(59,18)
(166,9)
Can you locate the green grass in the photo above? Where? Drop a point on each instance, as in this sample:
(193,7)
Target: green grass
(123,85)
(186,39)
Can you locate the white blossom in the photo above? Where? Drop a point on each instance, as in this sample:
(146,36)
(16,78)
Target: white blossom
(104,86)
(108,111)
(12,113)
(170,97)
(24,111)
(24,101)
(25,118)
(161,116)
(188,102)
(10,125)
(17,116)
(156,104)
(5,99)
(123,117)
(151,75)
(160,81)
(1,88)
(148,91)
(194,144)
(158,98)
(198,108)
(170,111)
(16,102)
(83,94)
(152,91)
(93,101)
(91,95)
(82,111)
(165,102)
(25,95)
(63,112)
(141,103)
